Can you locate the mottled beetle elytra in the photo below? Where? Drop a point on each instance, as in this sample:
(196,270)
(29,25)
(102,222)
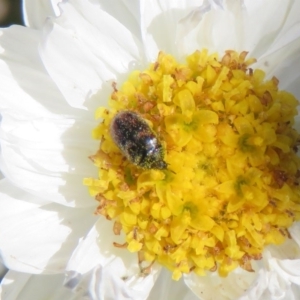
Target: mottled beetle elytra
(137,141)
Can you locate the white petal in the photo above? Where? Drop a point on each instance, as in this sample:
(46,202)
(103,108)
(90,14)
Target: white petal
(257,289)
(166,288)
(48,157)
(295,232)
(3,270)
(291,269)
(96,48)
(87,255)
(285,261)
(288,250)
(281,55)
(231,287)
(106,283)
(212,25)
(279,288)
(293,293)
(39,238)
(18,286)
(269,23)
(158,20)
(281,265)
(252,25)
(7,188)
(36,12)
(21,70)
(45,143)
(97,248)
(276,287)
(284,63)
(125,11)
(96,258)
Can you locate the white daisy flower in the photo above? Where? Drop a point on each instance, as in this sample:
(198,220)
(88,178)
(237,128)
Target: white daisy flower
(54,77)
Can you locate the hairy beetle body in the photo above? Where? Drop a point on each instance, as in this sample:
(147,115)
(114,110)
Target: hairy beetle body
(137,141)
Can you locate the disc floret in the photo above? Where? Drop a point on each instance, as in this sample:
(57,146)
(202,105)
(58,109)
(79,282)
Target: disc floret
(231,186)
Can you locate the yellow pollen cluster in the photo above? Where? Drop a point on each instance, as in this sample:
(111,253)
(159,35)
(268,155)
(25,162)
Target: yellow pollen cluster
(232,182)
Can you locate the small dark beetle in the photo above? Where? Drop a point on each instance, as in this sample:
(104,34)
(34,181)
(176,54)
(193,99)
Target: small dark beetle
(137,141)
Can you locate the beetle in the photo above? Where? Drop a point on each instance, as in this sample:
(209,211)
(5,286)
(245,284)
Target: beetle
(137,141)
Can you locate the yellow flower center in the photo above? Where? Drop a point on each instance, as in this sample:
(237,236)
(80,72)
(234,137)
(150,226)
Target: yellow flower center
(231,185)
